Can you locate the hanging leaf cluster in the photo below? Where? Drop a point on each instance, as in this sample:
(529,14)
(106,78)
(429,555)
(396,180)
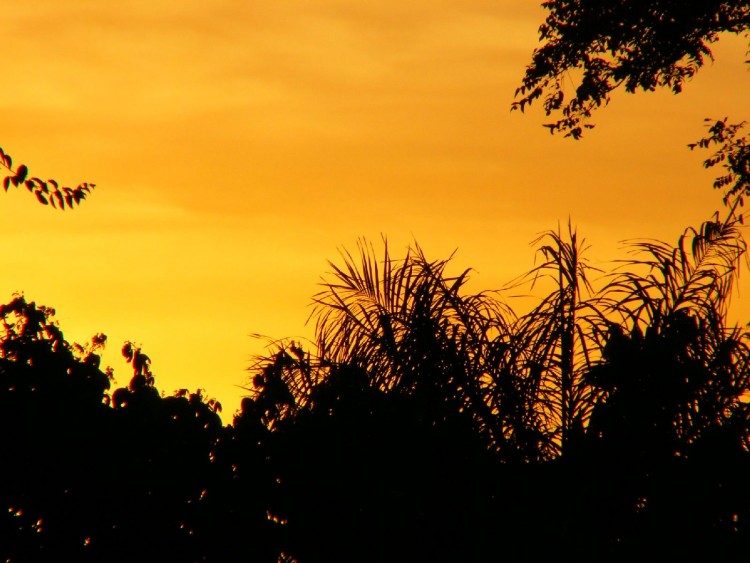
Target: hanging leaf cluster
(732,154)
(48,192)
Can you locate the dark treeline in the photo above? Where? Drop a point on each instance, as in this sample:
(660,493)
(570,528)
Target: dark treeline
(425,424)
(611,421)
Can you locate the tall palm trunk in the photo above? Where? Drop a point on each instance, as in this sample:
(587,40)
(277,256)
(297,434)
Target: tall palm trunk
(567,345)
(551,339)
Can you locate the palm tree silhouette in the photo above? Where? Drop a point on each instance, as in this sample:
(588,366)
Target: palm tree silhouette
(556,342)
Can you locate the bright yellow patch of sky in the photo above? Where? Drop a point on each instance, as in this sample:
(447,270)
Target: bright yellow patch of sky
(237,146)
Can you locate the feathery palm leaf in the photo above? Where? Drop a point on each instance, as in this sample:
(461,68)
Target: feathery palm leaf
(697,274)
(409,326)
(671,366)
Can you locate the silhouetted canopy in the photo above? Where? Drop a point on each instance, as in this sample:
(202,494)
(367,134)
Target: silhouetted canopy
(607,44)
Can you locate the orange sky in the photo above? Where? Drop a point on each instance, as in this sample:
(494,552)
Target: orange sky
(236,147)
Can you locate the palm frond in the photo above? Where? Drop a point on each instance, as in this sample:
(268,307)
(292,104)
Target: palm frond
(697,274)
(411,327)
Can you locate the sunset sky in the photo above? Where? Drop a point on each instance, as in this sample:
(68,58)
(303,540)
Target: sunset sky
(237,146)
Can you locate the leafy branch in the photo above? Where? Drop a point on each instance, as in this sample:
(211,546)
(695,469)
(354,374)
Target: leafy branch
(733,154)
(46,192)
(609,44)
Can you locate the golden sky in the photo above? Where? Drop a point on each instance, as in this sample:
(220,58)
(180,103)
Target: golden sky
(237,146)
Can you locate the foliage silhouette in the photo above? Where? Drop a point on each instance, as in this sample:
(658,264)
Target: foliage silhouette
(644,45)
(657,399)
(733,154)
(425,423)
(138,476)
(670,423)
(366,475)
(557,341)
(428,424)
(46,192)
(414,332)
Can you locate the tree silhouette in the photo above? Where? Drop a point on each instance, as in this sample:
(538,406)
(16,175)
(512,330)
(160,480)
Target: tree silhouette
(53,409)
(135,475)
(670,424)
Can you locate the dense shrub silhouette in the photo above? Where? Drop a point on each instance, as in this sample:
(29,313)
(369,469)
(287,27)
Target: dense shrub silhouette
(370,476)
(92,477)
